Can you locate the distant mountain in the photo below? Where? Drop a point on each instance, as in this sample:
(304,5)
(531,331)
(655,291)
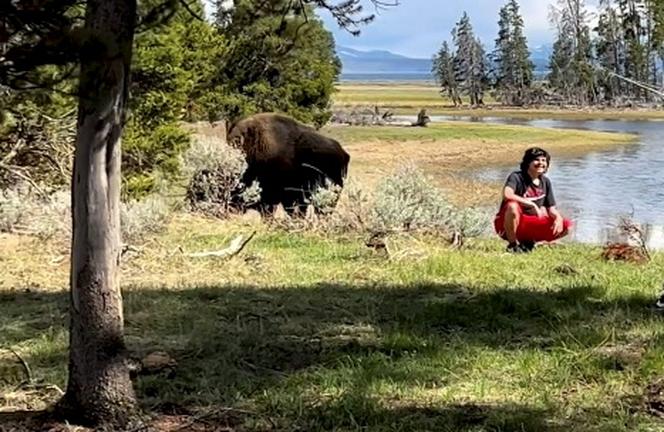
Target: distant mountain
(380,62)
(540,56)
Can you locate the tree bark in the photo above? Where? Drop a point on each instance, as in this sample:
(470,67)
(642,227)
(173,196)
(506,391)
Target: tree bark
(99,390)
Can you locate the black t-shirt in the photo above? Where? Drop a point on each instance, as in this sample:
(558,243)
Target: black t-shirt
(523,186)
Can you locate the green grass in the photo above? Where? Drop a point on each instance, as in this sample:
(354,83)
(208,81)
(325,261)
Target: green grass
(469,131)
(305,332)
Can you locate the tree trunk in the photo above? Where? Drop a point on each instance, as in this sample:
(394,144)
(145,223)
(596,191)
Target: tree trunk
(99,390)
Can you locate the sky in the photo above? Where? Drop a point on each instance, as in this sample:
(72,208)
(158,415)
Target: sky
(416,28)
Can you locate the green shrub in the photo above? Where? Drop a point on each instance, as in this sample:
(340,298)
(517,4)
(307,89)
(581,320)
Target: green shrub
(148,157)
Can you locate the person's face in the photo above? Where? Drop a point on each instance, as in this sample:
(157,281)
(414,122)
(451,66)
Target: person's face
(537,167)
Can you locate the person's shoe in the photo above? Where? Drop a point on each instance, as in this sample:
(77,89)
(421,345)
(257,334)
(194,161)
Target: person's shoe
(528,245)
(515,248)
(659,304)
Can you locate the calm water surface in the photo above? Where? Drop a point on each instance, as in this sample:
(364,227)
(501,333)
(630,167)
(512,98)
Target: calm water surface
(600,187)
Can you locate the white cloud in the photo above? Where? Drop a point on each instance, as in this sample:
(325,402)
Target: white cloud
(418,27)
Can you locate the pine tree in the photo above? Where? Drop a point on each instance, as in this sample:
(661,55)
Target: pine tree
(280,58)
(443,71)
(657,8)
(513,68)
(502,55)
(523,67)
(469,61)
(478,81)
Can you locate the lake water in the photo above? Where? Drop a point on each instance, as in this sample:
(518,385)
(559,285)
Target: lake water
(595,190)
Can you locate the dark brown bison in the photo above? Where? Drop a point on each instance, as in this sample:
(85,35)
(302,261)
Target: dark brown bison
(288,159)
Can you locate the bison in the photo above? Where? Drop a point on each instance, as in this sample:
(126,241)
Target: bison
(288,159)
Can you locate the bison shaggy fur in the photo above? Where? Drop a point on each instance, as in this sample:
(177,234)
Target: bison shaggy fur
(288,159)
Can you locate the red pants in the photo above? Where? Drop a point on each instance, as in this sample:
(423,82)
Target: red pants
(531,227)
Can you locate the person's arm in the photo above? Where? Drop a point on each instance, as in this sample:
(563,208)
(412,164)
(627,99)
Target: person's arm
(550,204)
(510,195)
(557,220)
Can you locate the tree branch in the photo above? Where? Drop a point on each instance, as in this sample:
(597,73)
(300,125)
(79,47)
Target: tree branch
(187,7)
(347,11)
(233,249)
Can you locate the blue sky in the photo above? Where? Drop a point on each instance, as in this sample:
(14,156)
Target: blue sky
(416,28)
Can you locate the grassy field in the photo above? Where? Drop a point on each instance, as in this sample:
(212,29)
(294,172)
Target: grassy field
(402,95)
(306,332)
(450,151)
(310,332)
(409,98)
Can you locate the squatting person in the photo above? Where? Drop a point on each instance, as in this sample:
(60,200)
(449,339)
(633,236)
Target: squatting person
(528,213)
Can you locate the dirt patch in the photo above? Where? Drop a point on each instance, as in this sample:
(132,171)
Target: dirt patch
(621,357)
(654,398)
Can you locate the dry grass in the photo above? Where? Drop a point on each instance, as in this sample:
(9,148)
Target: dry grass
(408,98)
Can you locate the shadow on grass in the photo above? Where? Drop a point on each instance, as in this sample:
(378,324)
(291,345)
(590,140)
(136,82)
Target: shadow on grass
(312,358)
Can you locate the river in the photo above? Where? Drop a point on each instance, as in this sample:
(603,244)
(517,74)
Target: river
(595,190)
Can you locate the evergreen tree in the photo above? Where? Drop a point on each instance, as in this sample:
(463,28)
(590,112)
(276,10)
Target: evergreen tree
(469,61)
(163,76)
(502,63)
(280,58)
(513,68)
(443,71)
(657,10)
(523,66)
(478,78)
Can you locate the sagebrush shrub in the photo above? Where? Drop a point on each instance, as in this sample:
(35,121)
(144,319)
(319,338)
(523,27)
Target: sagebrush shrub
(325,197)
(408,201)
(12,210)
(140,218)
(216,171)
(24,212)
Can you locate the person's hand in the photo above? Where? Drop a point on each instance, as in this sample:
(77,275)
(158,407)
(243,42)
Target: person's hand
(557,225)
(539,211)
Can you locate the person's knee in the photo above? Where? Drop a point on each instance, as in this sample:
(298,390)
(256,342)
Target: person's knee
(512,208)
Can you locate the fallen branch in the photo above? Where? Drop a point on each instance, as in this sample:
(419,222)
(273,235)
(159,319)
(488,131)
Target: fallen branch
(37,387)
(233,249)
(26,366)
(17,172)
